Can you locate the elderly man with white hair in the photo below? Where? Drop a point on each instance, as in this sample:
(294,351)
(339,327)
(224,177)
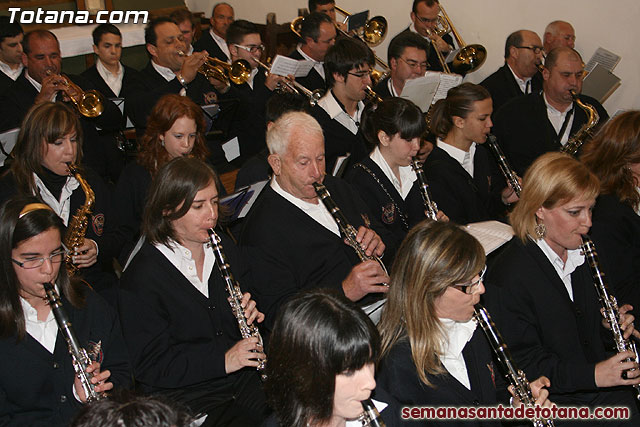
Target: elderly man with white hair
(293,239)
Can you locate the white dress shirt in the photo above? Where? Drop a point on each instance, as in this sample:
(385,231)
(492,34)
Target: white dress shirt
(574,260)
(557,119)
(114,81)
(222,43)
(457,335)
(182,259)
(37,85)
(43,331)
(465,158)
(522,83)
(317,65)
(13,74)
(329,104)
(318,212)
(60,206)
(168,75)
(407,174)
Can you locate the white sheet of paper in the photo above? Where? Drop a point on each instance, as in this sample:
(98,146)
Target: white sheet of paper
(421,91)
(447,81)
(283,66)
(8,140)
(231,149)
(490,234)
(339,161)
(604,57)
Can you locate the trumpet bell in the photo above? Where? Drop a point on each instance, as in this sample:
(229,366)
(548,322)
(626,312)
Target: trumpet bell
(469,59)
(240,71)
(296,25)
(91,103)
(375,30)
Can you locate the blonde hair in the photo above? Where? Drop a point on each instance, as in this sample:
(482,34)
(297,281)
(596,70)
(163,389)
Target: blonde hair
(433,256)
(554,178)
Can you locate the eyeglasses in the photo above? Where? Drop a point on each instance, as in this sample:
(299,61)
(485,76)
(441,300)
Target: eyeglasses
(425,20)
(414,64)
(535,49)
(55,258)
(251,48)
(468,288)
(361,74)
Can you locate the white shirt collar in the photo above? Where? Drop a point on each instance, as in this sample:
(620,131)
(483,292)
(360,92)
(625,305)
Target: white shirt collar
(330,105)
(456,337)
(35,84)
(163,71)
(392,90)
(114,81)
(222,43)
(62,206)
(182,259)
(522,83)
(43,331)
(557,118)
(459,154)
(407,174)
(317,65)
(575,259)
(318,212)
(13,74)
(254,72)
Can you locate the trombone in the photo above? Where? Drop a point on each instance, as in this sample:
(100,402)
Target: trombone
(238,72)
(468,59)
(372,34)
(89,103)
(313,96)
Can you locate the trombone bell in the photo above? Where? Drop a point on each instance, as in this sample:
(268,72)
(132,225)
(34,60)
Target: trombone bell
(470,58)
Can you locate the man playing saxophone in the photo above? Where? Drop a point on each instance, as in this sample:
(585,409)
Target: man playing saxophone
(531,125)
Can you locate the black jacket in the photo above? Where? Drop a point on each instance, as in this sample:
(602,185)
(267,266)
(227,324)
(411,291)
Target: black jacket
(206,42)
(503,86)
(311,81)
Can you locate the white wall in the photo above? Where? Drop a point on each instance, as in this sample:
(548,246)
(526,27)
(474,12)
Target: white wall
(613,25)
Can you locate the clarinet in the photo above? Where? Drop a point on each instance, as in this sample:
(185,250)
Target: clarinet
(347,230)
(429,205)
(515,376)
(235,297)
(609,303)
(79,355)
(509,174)
(370,417)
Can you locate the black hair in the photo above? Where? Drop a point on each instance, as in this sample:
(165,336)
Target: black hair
(311,26)
(315,3)
(103,29)
(8,28)
(240,28)
(430,3)
(150,36)
(514,39)
(39,34)
(393,116)
(283,102)
(345,55)
(317,335)
(403,40)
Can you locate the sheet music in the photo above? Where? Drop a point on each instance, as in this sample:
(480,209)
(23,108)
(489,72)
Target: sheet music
(604,57)
(447,81)
(283,66)
(490,234)
(421,90)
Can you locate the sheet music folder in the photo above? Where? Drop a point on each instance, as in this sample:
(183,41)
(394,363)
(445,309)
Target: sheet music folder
(241,201)
(7,142)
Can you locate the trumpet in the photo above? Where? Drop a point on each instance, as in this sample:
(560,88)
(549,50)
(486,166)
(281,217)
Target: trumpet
(313,96)
(469,58)
(238,72)
(89,103)
(372,96)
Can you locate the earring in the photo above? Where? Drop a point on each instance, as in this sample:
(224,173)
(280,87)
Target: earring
(540,230)
(162,142)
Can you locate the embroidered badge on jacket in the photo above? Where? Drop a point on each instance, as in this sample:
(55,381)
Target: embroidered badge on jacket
(389,213)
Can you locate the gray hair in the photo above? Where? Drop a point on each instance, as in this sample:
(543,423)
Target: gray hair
(282,130)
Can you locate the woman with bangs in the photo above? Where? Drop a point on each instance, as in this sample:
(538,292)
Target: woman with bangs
(322,355)
(542,296)
(386,180)
(175,128)
(613,155)
(433,354)
(50,138)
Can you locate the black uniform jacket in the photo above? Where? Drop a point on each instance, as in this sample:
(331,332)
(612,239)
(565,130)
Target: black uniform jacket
(524,131)
(397,374)
(547,332)
(206,42)
(36,387)
(177,338)
(292,252)
(502,86)
(394,213)
(313,80)
(463,198)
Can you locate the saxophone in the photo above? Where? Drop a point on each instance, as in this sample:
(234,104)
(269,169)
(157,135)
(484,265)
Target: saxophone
(370,417)
(509,174)
(77,227)
(235,297)
(609,303)
(429,205)
(79,356)
(515,376)
(347,230)
(575,142)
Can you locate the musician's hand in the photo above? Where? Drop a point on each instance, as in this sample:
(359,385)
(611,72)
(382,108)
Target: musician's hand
(608,373)
(250,310)
(442,45)
(369,241)
(363,279)
(509,195)
(242,354)
(85,255)
(440,216)
(273,80)
(50,86)
(99,379)
(540,394)
(626,321)
(191,64)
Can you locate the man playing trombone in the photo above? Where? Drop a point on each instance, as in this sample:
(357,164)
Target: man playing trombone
(424,18)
